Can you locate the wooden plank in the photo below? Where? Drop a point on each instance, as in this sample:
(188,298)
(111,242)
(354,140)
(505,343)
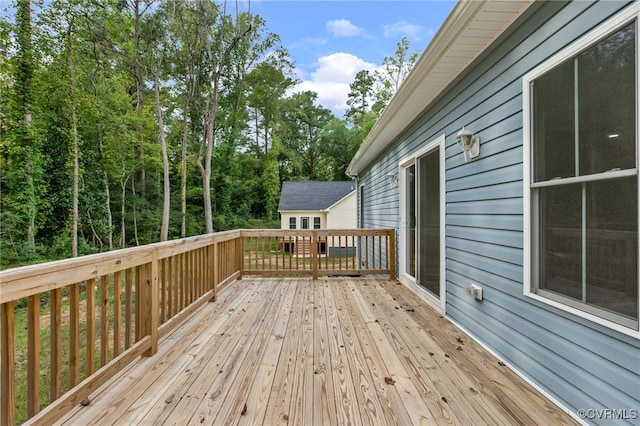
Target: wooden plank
(74,334)
(204,393)
(79,393)
(324,407)
(237,401)
(260,392)
(154,318)
(213,269)
(410,342)
(34,279)
(383,337)
(104,320)
(128,308)
(55,344)
(262,346)
(343,386)
(279,411)
(497,384)
(301,402)
(7,366)
(117,313)
(155,382)
(91,339)
(33,355)
(378,400)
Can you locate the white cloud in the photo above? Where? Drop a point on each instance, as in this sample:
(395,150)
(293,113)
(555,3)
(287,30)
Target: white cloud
(402,28)
(344,28)
(331,79)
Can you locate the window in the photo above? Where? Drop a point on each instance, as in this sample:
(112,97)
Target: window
(304,223)
(292,223)
(582,190)
(316,223)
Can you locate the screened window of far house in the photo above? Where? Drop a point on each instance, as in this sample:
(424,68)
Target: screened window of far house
(292,223)
(584,180)
(316,223)
(304,223)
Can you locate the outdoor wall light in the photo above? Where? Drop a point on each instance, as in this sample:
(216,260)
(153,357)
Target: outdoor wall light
(393,180)
(469,145)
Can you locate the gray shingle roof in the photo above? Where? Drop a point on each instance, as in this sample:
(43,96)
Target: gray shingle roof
(313,195)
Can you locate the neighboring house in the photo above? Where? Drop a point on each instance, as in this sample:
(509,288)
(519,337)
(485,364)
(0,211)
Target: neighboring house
(318,205)
(542,224)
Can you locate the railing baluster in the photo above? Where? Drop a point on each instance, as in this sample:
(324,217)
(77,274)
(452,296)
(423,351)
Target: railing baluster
(55,343)
(128,308)
(33,355)
(163,290)
(104,320)
(117,312)
(91,341)
(74,334)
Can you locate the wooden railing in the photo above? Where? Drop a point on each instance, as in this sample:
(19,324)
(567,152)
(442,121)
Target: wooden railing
(319,252)
(67,327)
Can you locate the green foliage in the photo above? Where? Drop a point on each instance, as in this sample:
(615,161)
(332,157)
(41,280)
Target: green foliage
(90,55)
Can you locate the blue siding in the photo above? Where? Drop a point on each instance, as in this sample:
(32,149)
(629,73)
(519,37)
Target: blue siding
(581,364)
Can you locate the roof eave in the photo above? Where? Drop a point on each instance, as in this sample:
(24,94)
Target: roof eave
(469,29)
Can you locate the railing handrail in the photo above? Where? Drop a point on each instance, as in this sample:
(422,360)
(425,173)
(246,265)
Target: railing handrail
(19,282)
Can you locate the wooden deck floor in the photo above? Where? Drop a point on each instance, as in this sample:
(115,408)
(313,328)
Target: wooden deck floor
(333,351)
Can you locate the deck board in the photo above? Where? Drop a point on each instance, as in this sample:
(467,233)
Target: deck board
(332,351)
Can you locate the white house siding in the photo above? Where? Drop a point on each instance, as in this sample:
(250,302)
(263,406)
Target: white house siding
(298,214)
(580,364)
(342,215)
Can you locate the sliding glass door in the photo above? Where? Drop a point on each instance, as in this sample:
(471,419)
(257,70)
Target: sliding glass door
(428,222)
(422,216)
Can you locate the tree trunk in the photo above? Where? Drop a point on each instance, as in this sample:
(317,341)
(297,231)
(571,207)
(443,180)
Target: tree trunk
(123,187)
(166,205)
(185,139)
(135,214)
(25,72)
(74,146)
(139,95)
(107,194)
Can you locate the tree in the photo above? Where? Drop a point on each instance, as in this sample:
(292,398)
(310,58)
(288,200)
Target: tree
(360,93)
(394,70)
(221,37)
(304,121)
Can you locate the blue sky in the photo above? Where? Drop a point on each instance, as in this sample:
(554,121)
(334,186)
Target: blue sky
(330,41)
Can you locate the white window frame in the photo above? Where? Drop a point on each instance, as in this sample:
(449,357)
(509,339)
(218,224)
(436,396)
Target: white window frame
(304,219)
(438,304)
(632,13)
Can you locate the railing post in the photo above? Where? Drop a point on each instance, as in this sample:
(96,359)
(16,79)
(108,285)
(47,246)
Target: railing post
(392,255)
(314,254)
(149,303)
(7,357)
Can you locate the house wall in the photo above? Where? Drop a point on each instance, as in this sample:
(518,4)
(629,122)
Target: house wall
(342,215)
(298,214)
(580,364)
